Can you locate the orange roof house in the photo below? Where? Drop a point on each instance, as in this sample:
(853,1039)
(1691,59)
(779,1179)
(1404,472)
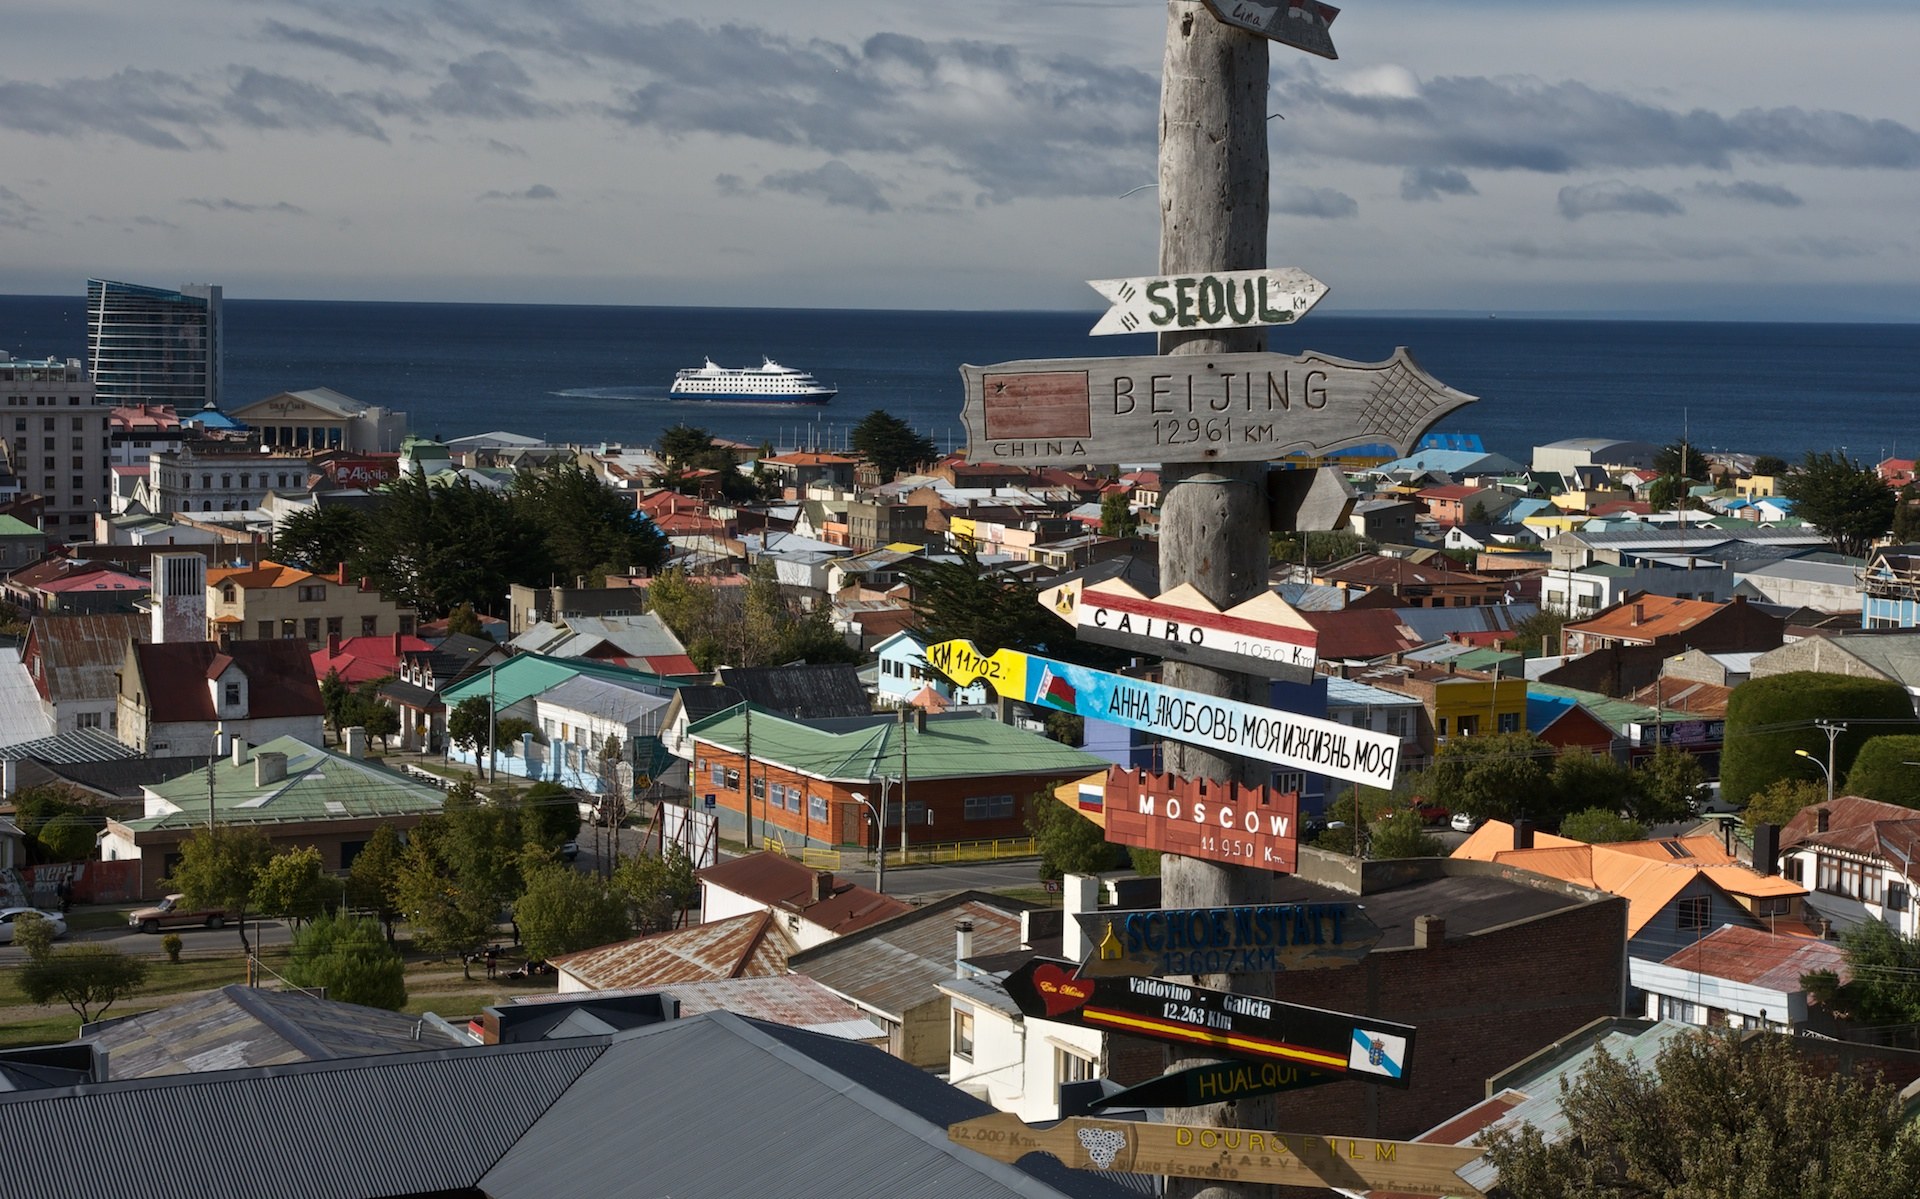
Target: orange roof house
(1673,625)
(1678,889)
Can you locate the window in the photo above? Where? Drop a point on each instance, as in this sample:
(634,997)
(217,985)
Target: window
(716,775)
(1071,1067)
(313,628)
(988,807)
(1678,1009)
(227,592)
(87,720)
(732,779)
(232,695)
(1468,725)
(1440,727)
(266,630)
(1693,912)
(1509,722)
(963,1034)
(760,787)
(1287,782)
(406,626)
(313,593)
(289,629)
(333,626)
(817,808)
(1898,897)
(369,626)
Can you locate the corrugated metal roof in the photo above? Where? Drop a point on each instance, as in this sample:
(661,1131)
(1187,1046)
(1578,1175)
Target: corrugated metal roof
(953,745)
(721,1106)
(81,656)
(743,946)
(319,785)
(81,745)
(422,1124)
(21,713)
(899,964)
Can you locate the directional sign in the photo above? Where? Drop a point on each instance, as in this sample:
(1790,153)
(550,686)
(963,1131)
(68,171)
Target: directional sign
(1265,636)
(1356,1047)
(1301,24)
(1256,938)
(1215,1082)
(1218,300)
(1267,734)
(1197,407)
(1237,1154)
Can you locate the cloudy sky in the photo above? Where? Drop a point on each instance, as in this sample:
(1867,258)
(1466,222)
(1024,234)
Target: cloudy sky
(1754,158)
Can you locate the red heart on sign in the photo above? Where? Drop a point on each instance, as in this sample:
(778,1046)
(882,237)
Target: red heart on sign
(1061,991)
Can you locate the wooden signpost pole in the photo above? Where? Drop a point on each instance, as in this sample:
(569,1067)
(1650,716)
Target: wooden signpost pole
(1215,522)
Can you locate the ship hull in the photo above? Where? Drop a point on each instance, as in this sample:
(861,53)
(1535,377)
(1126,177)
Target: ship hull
(807,400)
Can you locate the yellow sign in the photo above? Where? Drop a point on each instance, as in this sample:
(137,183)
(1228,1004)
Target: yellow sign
(1231,1154)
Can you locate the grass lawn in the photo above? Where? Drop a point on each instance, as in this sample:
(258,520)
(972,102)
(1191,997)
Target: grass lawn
(1033,894)
(90,919)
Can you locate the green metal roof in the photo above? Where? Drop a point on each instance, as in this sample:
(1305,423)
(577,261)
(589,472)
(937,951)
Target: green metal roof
(1615,712)
(13,526)
(320,785)
(953,745)
(524,675)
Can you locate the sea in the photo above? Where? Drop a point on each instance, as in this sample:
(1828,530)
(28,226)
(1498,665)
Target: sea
(599,374)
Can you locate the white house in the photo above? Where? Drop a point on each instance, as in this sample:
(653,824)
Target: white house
(903,671)
(1737,977)
(1860,859)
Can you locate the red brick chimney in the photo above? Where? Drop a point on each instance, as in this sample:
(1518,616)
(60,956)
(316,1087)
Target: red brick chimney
(822,889)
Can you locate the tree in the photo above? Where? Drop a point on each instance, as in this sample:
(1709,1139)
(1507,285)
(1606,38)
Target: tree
(1399,834)
(447,919)
(1538,635)
(1601,826)
(291,887)
(1768,718)
(1682,460)
(349,957)
(658,889)
(1781,801)
(33,934)
(1117,517)
(550,814)
(588,529)
(89,978)
(464,621)
(1068,842)
(373,878)
(378,718)
(1881,770)
(35,808)
(321,538)
(1847,502)
(564,910)
(70,837)
(890,444)
(1667,786)
(966,600)
(335,697)
(1499,777)
(1906,515)
(1330,545)
(218,869)
(1770,465)
(1716,1116)
(1884,990)
(435,545)
(1584,780)
(470,727)
(481,842)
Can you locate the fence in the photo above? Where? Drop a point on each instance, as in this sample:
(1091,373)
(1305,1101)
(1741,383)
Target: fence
(916,855)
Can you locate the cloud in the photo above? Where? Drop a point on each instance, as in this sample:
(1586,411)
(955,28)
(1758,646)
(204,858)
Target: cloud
(152,108)
(1751,193)
(226,205)
(1324,202)
(1008,123)
(538,191)
(262,100)
(365,53)
(15,212)
(1526,124)
(499,147)
(489,85)
(1429,183)
(834,182)
(1612,195)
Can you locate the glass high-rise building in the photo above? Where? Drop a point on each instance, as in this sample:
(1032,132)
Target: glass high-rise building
(147,345)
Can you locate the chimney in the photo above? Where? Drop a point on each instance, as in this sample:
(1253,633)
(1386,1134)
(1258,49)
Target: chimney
(822,889)
(396,647)
(333,645)
(1523,834)
(1639,613)
(1079,893)
(1820,819)
(269,768)
(962,945)
(241,750)
(919,720)
(10,777)
(1766,848)
(340,574)
(353,741)
(1429,932)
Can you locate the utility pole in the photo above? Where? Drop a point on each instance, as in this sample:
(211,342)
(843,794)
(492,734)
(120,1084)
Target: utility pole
(1215,521)
(746,778)
(904,727)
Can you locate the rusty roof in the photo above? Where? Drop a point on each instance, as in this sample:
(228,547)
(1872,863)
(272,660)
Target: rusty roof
(1644,618)
(1864,827)
(1750,955)
(78,657)
(790,999)
(778,881)
(899,964)
(267,574)
(747,946)
(280,679)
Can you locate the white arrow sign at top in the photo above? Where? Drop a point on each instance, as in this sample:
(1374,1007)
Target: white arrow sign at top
(1210,300)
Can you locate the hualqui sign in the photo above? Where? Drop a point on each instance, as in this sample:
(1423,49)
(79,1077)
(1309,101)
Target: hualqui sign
(1302,24)
(1215,1082)
(1266,734)
(1227,1154)
(1197,408)
(1217,821)
(1266,636)
(1218,300)
(1355,1047)
(1250,939)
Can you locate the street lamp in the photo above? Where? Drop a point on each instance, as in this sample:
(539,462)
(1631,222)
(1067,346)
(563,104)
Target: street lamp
(1824,769)
(879,844)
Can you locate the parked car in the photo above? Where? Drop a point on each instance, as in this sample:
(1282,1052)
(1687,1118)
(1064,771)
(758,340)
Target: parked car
(1430,812)
(169,913)
(1466,822)
(570,850)
(9,915)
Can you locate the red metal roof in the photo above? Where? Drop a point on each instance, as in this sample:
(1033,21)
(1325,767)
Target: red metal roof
(280,679)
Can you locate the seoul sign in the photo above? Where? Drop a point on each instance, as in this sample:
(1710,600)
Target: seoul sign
(1248,939)
(1358,1048)
(1265,636)
(1197,408)
(1218,300)
(1266,734)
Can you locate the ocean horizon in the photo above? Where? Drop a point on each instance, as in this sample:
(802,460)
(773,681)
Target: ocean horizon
(599,373)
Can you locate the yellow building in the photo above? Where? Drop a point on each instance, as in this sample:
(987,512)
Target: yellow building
(272,602)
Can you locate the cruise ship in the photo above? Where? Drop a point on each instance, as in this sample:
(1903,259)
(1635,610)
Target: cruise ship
(769,383)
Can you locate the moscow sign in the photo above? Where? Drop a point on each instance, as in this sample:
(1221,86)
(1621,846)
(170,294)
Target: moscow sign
(1210,819)
(1359,1048)
(1218,300)
(1230,726)
(1196,408)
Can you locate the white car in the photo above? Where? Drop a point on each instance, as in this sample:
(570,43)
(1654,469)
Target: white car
(1466,822)
(9,915)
